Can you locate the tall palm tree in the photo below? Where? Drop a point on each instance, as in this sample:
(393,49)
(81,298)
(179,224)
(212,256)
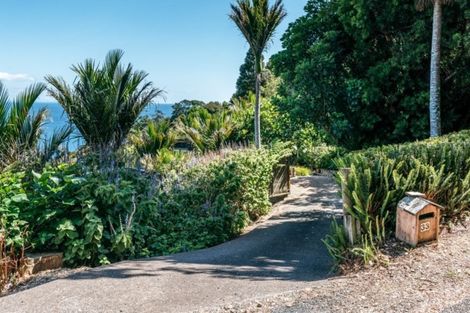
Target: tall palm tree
(257,21)
(104,101)
(435,81)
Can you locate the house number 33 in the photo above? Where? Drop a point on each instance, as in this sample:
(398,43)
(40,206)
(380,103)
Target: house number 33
(424,227)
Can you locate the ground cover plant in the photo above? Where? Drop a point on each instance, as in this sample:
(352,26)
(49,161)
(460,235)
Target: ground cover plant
(379,178)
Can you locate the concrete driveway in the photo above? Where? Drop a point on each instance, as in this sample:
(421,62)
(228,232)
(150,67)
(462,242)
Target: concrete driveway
(281,254)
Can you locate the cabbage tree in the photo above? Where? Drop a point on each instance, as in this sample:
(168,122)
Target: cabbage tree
(104,101)
(257,21)
(21,128)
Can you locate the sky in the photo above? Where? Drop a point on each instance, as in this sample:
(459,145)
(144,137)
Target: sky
(190,48)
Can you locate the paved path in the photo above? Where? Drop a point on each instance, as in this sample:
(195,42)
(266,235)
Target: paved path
(284,253)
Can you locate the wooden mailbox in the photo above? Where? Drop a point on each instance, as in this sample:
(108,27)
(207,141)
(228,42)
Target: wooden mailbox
(417,219)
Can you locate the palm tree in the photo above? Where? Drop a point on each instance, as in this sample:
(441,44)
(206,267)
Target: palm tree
(157,135)
(257,21)
(435,85)
(206,131)
(104,101)
(21,129)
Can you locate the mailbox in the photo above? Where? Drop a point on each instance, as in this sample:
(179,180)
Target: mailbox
(417,219)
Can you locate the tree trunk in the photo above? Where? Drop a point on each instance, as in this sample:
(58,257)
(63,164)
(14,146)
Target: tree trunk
(435,85)
(257,112)
(258,70)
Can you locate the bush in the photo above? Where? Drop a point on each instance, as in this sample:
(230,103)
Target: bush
(321,156)
(12,198)
(312,148)
(12,227)
(97,218)
(302,171)
(379,178)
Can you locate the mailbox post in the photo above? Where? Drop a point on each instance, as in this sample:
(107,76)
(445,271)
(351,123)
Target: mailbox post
(352,226)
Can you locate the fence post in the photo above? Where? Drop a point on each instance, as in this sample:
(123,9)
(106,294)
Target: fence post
(352,226)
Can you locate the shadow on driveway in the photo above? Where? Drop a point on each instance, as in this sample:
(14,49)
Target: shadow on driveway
(286,247)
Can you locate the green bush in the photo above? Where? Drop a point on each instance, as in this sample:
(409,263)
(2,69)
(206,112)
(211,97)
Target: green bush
(320,156)
(12,198)
(379,178)
(312,148)
(302,171)
(97,218)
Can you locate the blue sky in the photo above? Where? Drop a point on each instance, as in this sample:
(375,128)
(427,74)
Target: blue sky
(190,48)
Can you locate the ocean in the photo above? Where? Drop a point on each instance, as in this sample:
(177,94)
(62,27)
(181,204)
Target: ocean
(57,118)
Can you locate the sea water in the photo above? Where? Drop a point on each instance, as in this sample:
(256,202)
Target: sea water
(56,119)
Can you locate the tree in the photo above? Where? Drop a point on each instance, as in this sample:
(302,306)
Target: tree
(206,131)
(157,135)
(274,123)
(187,106)
(435,80)
(184,107)
(356,70)
(104,101)
(257,21)
(247,79)
(21,128)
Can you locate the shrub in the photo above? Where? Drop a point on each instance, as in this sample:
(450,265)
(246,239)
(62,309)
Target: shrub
(302,171)
(12,198)
(12,261)
(97,218)
(379,178)
(312,148)
(12,227)
(321,156)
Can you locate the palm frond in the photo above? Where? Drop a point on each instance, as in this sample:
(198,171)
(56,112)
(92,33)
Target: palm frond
(20,128)
(257,22)
(3,108)
(52,144)
(206,131)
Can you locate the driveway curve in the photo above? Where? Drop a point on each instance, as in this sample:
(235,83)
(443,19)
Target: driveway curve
(283,253)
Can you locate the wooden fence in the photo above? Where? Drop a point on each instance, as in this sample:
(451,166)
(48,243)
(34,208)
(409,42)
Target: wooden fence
(280,184)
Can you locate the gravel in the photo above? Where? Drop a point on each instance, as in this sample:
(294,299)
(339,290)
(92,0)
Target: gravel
(432,278)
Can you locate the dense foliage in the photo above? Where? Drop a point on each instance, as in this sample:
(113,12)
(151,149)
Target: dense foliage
(183,108)
(96,218)
(153,136)
(379,178)
(359,70)
(206,131)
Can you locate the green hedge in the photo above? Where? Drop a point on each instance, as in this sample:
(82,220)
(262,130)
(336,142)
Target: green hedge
(95,219)
(379,178)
